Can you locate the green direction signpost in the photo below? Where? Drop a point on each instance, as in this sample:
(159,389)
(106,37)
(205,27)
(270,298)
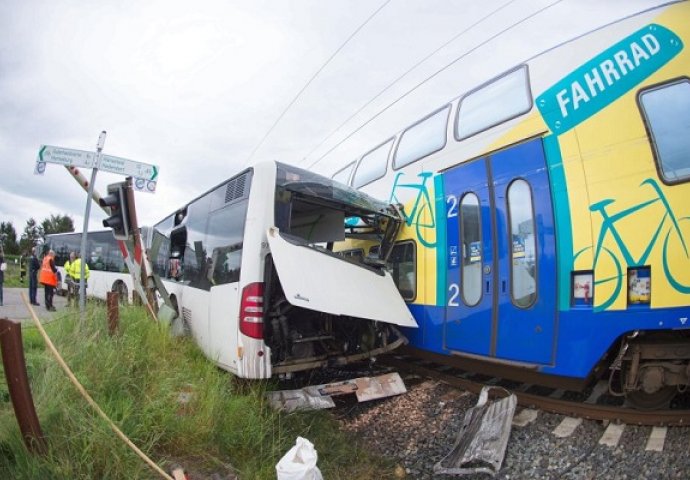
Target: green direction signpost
(145,176)
(145,179)
(63,156)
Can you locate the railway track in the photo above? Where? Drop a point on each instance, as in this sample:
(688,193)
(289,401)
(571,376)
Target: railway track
(548,400)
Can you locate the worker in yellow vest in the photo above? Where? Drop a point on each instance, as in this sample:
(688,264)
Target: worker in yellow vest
(75,273)
(68,277)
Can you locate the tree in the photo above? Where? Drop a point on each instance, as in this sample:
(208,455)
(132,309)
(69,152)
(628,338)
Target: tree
(8,236)
(31,236)
(56,224)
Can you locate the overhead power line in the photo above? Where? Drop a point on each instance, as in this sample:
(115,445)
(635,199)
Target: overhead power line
(413,67)
(457,59)
(316,74)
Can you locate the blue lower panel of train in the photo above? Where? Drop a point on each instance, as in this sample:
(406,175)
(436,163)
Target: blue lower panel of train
(581,338)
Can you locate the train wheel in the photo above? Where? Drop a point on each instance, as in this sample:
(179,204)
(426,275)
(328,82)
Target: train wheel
(659,400)
(653,393)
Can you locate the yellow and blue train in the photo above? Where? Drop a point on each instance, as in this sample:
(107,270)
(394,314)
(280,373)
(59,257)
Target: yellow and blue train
(548,213)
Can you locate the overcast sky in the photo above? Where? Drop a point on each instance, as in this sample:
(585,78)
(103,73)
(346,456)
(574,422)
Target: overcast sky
(194,87)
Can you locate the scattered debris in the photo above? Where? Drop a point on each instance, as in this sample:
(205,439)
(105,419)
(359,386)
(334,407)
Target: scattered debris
(483,437)
(299,463)
(320,396)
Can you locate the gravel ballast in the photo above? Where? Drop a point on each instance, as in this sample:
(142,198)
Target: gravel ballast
(419,428)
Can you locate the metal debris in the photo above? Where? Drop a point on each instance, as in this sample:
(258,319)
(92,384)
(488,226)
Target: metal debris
(483,437)
(320,396)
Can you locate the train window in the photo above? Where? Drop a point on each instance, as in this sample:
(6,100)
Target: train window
(666,111)
(343,175)
(372,166)
(522,244)
(470,233)
(402,267)
(423,138)
(495,102)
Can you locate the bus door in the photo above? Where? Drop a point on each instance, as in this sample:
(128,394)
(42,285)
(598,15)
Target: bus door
(511,250)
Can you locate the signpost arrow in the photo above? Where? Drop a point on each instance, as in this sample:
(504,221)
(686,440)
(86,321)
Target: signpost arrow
(145,175)
(129,168)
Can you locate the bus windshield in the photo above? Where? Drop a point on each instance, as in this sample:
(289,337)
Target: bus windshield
(318,209)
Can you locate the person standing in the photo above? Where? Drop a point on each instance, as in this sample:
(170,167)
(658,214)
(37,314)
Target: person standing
(68,277)
(34,267)
(48,278)
(75,273)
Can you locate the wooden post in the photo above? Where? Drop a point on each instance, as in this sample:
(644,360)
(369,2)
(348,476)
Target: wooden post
(112,300)
(18,386)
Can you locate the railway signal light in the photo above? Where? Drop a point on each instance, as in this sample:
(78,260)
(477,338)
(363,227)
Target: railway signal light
(118,203)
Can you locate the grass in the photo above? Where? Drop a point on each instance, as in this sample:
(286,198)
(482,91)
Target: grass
(136,377)
(12,274)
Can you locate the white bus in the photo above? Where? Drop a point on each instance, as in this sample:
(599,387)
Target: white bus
(108,271)
(250,269)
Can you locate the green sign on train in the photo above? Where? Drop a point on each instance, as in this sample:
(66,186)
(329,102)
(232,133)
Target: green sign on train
(607,77)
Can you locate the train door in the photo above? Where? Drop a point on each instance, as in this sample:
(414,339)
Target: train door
(470,261)
(501,256)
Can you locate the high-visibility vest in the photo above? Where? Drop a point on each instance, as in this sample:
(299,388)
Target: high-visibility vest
(68,268)
(75,269)
(47,276)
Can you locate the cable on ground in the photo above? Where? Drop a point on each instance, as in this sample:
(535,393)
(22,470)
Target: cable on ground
(86,395)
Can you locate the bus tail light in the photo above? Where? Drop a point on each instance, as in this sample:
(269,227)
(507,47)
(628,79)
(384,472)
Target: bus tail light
(252,311)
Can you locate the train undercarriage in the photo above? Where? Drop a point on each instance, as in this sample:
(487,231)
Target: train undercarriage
(651,368)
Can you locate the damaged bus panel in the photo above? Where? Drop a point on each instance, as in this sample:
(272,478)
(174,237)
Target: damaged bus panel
(250,271)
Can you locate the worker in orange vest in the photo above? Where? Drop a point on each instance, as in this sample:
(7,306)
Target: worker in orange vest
(48,277)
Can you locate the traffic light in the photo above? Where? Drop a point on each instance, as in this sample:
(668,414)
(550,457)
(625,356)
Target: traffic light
(118,203)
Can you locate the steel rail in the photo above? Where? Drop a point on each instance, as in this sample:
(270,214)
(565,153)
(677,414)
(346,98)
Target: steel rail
(564,407)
